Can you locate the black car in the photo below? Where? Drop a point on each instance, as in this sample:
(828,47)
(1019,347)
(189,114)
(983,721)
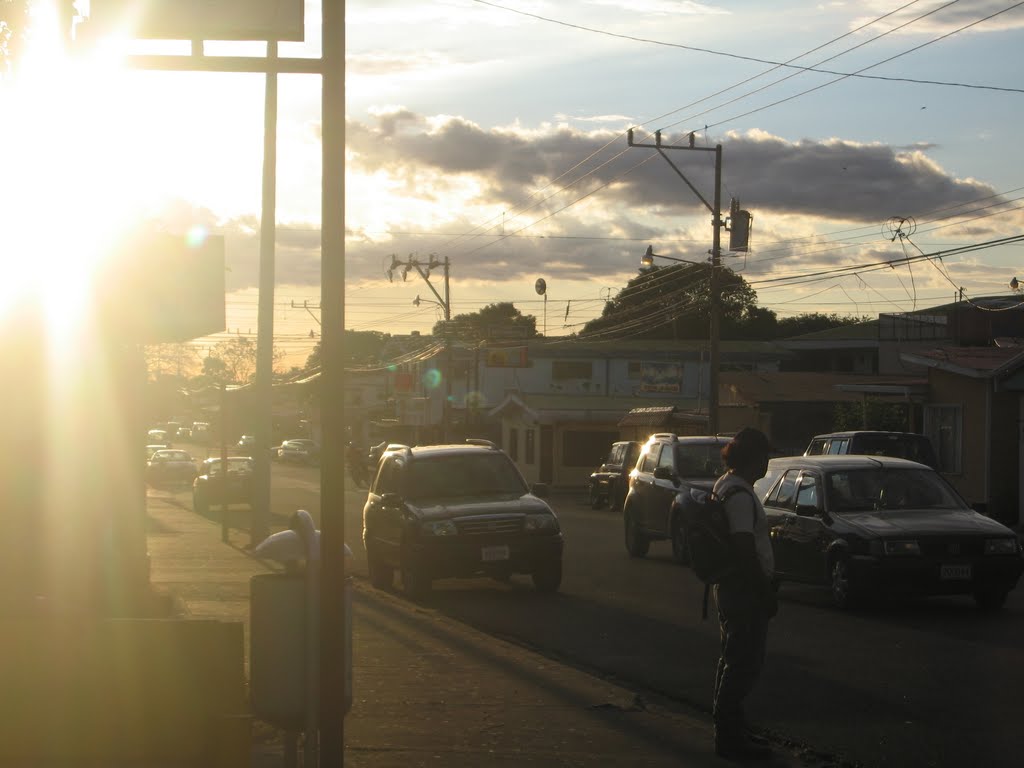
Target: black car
(610,482)
(863,524)
(212,489)
(442,511)
(669,467)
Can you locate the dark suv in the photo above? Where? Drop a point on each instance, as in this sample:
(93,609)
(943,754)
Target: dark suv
(669,467)
(610,482)
(442,511)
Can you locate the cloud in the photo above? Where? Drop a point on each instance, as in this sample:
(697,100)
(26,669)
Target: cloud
(547,170)
(943,21)
(507,204)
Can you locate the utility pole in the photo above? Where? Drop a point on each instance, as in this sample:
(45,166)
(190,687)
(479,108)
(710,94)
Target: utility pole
(446,306)
(716,260)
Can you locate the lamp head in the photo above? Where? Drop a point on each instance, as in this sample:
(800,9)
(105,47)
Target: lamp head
(647,260)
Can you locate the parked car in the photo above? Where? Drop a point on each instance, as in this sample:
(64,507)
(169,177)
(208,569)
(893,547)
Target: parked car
(904,445)
(442,511)
(669,467)
(168,466)
(246,441)
(212,489)
(153,448)
(158,437)
(300,450)
(860,524)
(610,482)
(185,433)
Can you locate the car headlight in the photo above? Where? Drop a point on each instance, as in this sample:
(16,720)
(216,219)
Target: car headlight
(540,521)
(1001,546)
(440,528)
(902,547)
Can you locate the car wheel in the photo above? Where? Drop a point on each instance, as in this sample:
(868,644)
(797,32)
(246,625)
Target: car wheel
(680,551)
(844,594)
(596,499)
(636,543)
(415,582)
(548,577)
(991,598)
(200,505)
(382,576)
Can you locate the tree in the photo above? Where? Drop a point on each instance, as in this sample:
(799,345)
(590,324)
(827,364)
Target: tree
(674,302)
(361,348)
(493,321)
(815,321)
(173,359)
(233,361)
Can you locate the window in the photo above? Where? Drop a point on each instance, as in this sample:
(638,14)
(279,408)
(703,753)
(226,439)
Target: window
(651,458)
(531,447)
(634,369)
(784,495)
(666,460)
(571,369)
(389,479)
(838,447)
(943,424)
(807,494)
(513,443)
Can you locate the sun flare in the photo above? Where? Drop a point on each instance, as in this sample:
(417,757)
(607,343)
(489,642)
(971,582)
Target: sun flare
(70,176)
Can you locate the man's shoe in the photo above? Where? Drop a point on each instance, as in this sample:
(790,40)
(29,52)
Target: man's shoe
(742,749)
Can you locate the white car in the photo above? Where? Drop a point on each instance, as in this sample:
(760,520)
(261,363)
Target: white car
(300,450)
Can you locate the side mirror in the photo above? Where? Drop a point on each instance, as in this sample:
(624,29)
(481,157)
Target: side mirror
(540,490)
(664,473)
(391,500)
(807,510)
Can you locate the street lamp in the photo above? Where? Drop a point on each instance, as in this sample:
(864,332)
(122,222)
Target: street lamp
(714,356)
(647,260)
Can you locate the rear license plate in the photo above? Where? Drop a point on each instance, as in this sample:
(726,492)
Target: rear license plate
(954,572)
(491,554)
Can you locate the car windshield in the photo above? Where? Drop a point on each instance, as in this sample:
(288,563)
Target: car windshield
(699,461)
(463,474)
(861,490)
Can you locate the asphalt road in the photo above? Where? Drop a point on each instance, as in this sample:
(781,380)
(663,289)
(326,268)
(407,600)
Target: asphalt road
(907,683)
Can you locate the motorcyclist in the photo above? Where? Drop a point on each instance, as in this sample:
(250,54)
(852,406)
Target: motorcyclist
(356,461)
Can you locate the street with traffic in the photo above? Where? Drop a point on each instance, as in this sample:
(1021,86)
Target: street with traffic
(894,682)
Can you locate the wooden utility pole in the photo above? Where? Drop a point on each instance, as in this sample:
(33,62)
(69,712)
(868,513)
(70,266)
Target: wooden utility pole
(714,362)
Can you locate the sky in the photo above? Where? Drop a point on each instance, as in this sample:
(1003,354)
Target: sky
(494,135)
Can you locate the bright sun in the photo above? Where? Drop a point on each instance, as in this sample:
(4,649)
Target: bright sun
(69,180)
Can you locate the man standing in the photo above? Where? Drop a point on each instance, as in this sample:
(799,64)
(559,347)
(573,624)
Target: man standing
(746,597)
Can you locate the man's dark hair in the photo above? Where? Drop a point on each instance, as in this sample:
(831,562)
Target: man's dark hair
(746,446)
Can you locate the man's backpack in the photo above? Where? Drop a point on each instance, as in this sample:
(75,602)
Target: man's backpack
(708,536)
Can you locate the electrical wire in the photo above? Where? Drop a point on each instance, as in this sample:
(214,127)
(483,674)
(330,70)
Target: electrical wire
(775,64)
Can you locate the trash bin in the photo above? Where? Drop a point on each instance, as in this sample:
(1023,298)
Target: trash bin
(281,630)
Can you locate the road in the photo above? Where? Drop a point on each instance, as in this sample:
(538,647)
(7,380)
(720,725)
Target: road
(922,683)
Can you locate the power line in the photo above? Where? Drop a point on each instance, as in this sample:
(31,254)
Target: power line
(775,64)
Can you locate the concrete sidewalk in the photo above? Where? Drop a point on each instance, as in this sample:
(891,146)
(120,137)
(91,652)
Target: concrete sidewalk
(429,690)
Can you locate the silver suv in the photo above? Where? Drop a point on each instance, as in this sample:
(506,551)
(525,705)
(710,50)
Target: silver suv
(668,468)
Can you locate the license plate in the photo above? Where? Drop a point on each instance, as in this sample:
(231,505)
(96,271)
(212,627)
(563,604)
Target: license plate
(491,554)
(952,572)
